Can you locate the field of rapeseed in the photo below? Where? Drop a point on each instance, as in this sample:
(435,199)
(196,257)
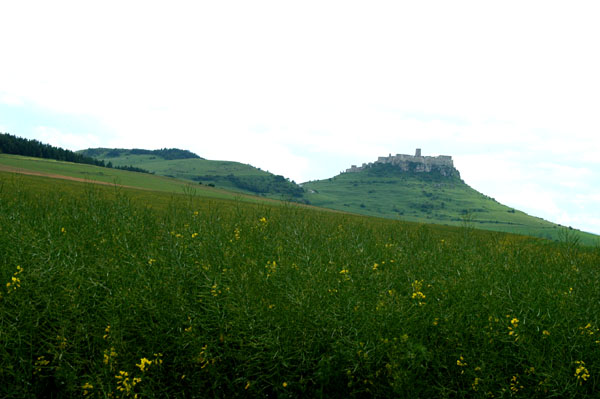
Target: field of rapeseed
(109,293)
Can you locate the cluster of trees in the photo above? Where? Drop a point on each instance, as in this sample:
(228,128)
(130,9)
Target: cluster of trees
(437,174)
(268,184)
(273,184)
(130,168)
(14,145)
(10,144)
(165,153)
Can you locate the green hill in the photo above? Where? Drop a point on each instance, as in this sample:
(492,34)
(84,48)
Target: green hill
(111,292)
(426,192)
(147,183)
(186,165)
(438,196)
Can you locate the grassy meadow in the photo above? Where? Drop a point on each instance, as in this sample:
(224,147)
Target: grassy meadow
(386,191)
(112,293)
(96,174)
(228,175)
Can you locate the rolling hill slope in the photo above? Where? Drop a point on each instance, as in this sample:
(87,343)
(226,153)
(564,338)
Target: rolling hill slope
(427,191)
(116,292)
(16,164)
(188,166)
(437,196)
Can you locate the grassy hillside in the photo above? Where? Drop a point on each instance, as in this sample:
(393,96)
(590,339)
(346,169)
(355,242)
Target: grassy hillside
(386,191)
(224,174)
(106,293)
(95,174)
(427,198)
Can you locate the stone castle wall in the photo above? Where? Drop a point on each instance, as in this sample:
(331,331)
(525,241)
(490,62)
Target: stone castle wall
(420,163)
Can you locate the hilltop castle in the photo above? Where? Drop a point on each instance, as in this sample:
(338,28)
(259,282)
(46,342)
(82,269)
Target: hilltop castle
(418,163)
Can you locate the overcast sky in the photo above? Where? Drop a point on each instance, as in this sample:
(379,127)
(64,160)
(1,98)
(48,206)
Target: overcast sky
(511,90)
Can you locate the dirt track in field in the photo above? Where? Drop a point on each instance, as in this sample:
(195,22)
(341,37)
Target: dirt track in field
(11,169)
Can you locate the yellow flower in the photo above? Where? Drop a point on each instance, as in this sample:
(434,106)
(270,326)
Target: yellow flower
(85,388)
(418,295)
(124,384)
(143,363)
(581,372)
(271,268)
(511,329)
(41,361)
(214,290)
(15,281)
(109,355)
(285,384)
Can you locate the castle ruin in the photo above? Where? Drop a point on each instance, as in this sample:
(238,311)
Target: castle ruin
(416,162)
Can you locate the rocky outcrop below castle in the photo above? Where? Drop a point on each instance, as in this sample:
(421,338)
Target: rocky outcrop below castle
(413,163)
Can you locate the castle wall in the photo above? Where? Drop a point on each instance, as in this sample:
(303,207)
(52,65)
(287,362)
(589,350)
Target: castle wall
(424,164)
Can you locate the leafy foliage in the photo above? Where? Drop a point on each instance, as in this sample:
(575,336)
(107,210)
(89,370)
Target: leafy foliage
(32,148)
(164,153)
(10,144)
(437,174)
(131,168)
(265,184)
(105,295)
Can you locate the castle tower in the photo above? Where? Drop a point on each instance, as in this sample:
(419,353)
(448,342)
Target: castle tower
(418,152)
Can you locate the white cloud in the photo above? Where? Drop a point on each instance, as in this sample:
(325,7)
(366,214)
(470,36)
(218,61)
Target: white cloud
(10,99)
(72,141)
(306,89)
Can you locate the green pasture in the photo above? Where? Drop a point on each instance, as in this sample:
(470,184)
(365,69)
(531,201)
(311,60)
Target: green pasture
(229,175)
(427,198)
(94,174)
(188,168)
(115,293)
(381,191)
